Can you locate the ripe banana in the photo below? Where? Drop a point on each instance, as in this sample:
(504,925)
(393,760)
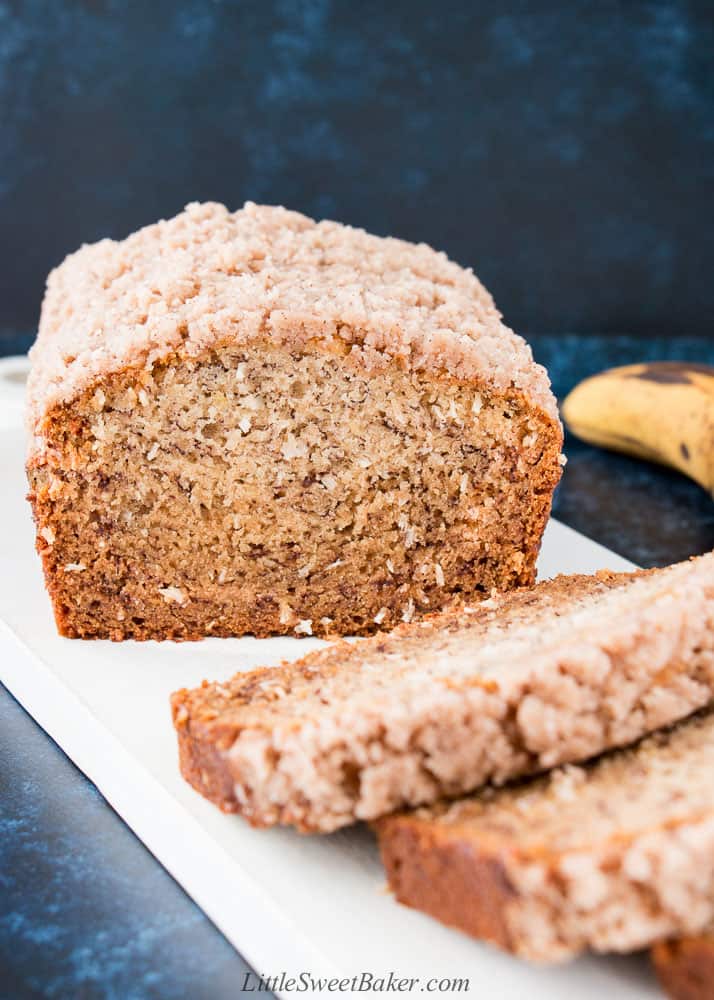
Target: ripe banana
(661,411)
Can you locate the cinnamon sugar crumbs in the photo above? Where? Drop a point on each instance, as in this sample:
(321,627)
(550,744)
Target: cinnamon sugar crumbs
(209,276)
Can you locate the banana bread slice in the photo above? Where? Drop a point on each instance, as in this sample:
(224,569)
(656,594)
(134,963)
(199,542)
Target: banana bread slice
(250,422)
(610,856)
(685,967)
(516,684)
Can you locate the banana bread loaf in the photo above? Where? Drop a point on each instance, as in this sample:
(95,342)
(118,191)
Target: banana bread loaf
(612,856)
(255,423)
(518,683)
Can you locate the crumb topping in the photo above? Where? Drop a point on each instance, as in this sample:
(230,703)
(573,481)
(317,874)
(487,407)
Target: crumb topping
(209,276)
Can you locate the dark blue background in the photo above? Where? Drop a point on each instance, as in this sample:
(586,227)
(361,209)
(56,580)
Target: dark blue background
(564,150)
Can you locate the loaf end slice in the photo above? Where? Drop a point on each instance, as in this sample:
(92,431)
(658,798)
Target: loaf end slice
(610,856)
(514,685)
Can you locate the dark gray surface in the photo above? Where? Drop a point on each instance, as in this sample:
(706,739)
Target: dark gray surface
(562,148)
(85,911)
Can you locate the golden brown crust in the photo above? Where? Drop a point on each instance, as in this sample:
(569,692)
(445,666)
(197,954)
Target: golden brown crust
(447,879)
(685,967)
(200,764)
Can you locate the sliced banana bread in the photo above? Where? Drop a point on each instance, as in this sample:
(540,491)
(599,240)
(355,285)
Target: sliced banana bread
(250,422)
(610,856)
(516,684)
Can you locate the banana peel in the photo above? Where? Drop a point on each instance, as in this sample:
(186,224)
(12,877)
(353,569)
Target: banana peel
(662,411)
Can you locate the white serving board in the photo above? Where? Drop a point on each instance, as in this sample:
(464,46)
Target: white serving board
(287,902)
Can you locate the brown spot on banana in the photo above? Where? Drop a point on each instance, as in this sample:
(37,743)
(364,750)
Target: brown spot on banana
(670,372)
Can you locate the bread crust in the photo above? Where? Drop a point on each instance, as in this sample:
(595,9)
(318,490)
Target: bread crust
(685,967)
(443,878)
(202,767)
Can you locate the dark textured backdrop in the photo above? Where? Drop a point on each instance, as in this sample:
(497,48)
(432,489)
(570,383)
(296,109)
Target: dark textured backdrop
(565,150)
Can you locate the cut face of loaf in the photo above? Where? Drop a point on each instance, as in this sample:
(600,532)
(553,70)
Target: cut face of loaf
(253,423)
(610,857)
(263,491)
(519,683)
